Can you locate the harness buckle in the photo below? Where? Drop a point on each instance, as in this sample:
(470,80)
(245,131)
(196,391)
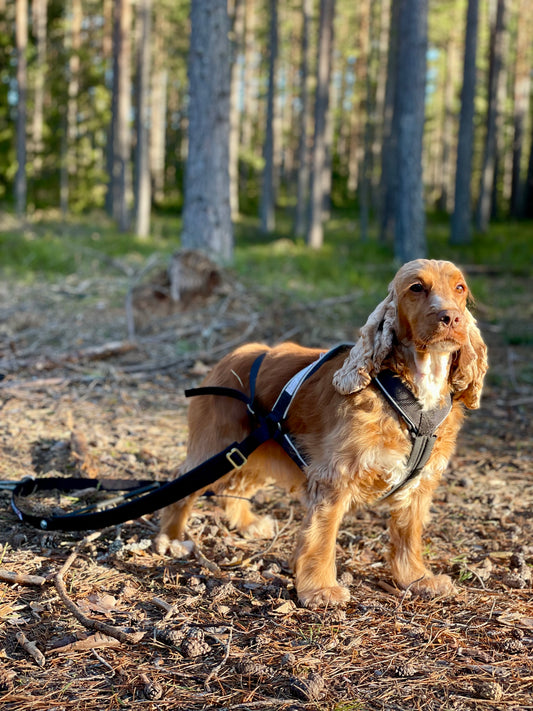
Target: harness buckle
(235,452)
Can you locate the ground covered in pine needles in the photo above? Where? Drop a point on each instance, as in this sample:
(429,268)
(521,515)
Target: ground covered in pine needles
(101,622)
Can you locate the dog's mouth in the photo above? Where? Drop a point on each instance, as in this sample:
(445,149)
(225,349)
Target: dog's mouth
(444,345)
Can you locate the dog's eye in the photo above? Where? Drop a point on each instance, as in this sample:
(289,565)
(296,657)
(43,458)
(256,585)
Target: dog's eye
(461,288)
(417,288)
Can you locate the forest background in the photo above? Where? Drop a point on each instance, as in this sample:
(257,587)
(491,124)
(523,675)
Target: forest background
(308,146)
(299,108)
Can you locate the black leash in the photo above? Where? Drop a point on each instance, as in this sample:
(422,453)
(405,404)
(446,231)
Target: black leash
(146,496)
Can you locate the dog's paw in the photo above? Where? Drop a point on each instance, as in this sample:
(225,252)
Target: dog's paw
(324,597)
(434,586)
(261,527)
(177,549)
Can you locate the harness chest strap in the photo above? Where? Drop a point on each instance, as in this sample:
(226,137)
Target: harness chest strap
(423,424)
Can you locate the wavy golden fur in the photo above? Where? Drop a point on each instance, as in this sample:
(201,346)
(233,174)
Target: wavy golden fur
(355,442)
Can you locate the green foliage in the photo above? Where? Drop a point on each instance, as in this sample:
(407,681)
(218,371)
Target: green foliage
(51,247)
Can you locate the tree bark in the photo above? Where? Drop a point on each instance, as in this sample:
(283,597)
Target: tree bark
(237,40)
(409,233)
(21,186)
(522,88)
(303,124)
(143,192)
(268,198)
(39,12)
(461,226)
(158,118)
(488,171)
(122,169)
(388,178)
(207,211)
(325,44)
(69,158)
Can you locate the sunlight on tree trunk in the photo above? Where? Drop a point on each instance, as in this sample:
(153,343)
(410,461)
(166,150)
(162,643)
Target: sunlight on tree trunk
(39,17)
(315,237)
(69,154)
(461,227)
(207,211)
(485,203)
(409,110)
(22,78)
(235,113)
(143,193)
(268,197)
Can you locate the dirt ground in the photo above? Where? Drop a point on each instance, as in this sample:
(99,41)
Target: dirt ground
(223,628)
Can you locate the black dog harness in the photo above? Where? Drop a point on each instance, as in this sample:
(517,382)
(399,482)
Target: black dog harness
(144,497)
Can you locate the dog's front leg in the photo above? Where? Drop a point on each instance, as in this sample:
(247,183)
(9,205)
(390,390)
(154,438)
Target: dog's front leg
(314,559)
(408,518)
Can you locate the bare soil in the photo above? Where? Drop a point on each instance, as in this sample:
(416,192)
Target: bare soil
(223,629)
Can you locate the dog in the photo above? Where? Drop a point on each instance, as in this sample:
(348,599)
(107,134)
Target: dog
(356,443)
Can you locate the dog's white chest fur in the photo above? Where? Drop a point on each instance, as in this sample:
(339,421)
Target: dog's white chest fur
(431,377)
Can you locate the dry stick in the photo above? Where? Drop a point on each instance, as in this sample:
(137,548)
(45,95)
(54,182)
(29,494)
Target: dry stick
(6,576)
(124,637)
(31,648)
(224,660)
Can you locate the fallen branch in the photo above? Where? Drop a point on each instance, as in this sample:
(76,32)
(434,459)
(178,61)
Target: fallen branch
(92,642)
(7,576)
(89,623)
(31,648)
(102,352)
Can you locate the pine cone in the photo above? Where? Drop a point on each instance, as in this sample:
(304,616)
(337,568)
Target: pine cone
(194,644)
(309,689)
(247,667)
(151,689)
(489,690)
(172,638)
(512,646)
(405,671)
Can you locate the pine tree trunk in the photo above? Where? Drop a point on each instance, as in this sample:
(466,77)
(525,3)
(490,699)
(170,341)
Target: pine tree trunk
(158,117)
(143,192)
(267,213)
(325,44)
(461,226)
(409,233)
(528,189)
(522,88)
(207,211)
(249,78)
(303,123)
(237,33)
(39,12)
(381,89)
(69,153)
(387,185)
(122,169)
(22,79)
(366,111)
(445,184)
(485,203)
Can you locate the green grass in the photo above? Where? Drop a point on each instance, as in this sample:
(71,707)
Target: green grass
(276,264)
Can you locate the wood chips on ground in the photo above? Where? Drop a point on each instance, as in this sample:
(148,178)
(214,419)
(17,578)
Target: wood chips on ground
(222,629)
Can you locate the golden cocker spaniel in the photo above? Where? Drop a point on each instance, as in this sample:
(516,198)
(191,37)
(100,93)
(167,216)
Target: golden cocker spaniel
(355,442)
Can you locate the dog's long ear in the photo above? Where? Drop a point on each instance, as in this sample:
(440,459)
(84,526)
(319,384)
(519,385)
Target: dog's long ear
(373,346)
(470,366)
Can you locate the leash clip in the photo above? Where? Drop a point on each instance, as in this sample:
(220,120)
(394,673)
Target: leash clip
(230,456)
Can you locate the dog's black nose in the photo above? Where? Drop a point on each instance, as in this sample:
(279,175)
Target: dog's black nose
(450,317)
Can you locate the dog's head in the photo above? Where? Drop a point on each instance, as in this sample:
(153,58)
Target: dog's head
(425,311)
